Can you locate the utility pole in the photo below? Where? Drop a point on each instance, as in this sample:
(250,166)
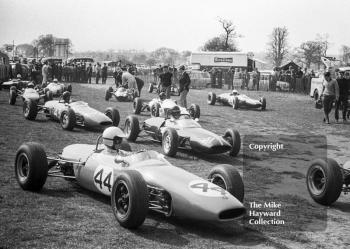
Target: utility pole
(13,50)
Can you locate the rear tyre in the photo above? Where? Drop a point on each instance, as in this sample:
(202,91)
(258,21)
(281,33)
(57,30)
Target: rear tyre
(113,114)
(150,88)
(31,166)
(155,109)
(30,109)
(211,98)
(108,94)
(137,105)
(129,199)
(324,181)
(69,88)
(228,178)
(194,111)
(263,103)
(235,103)
(233,137)
(170,141)
(13,95)
(68,119)
(48,96)
(132,128)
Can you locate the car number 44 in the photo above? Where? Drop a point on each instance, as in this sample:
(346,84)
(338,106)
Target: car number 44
(103,179)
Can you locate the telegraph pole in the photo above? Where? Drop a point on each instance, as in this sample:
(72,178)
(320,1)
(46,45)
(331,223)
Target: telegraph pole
(13,50)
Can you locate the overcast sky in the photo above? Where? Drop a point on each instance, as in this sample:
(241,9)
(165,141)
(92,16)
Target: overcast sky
(179,24)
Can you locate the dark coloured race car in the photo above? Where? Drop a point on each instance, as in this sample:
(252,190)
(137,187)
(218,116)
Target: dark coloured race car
(122,94)
(180,131)
(174,90)
(136,183)
(236,100)
(34,94)
(72,113)
(158,107)
(326,180)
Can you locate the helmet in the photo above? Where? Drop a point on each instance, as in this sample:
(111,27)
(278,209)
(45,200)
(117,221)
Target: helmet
(234,92)
(162,96)
(66,97)
(19,76)
(55,80)
(112,137)
(175,112)
(30,85)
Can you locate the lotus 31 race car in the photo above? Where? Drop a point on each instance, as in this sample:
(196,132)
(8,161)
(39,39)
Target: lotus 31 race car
(58,89)
(72,113)
(184,133)
(158,107)
(236,100)
(29,93)
(136,183)
(122,94)
(326,180)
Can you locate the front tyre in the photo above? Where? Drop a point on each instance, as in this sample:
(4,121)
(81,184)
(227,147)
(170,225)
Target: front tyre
(150,88)
(68,119)
(324,181)
(228,178)
(170,142)
(235,103)
(263,103)
(211,98)
(30,109)
(232,136)
(132,128)
(108,93)
(113,114)
(137,105)
(31,166)
(129,199)
(194,111)
(13,95)
(155,109)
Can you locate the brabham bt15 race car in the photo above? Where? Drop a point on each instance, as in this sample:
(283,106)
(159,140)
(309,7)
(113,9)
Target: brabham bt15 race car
(325,180)
(174,90)
(236,100)
(72,113)
(157,107)
(184,133)
(29,93)
(121,94)
(58,89)
(137,183)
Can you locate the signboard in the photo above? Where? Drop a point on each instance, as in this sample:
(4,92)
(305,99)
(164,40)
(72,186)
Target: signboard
(227,60)
(9,48)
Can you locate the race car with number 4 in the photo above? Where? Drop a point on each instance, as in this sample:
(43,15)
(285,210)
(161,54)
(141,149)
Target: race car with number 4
(72,113)
(136,183)
(237,100)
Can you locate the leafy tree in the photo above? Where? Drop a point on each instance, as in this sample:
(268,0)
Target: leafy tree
(165,55)
(26,50)
(312,51)
(45,45)
(151,61)
(278,46)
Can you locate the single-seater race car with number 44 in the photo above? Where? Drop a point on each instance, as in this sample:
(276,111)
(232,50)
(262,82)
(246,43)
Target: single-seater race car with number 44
(237,100)
(176,130)
(326,179)
(71,113)
(136,183)
(122,94)
(158,107)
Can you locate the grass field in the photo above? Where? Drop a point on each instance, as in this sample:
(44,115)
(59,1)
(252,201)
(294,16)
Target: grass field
(63,215)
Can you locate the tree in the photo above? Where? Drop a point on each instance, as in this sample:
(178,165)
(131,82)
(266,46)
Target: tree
(323,40)
(151,61)
(345,53)
(312,51)
(165,55)
(26,50)
(278,46)
(139,58)
(225,41)
(45,45)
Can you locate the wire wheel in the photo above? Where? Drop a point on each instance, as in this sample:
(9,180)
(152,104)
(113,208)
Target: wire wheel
(127,127)
(122,198)
(219,180)
(317,180)
(167,143)
(65,118)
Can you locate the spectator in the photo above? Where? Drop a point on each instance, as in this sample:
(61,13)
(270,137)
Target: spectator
(45,73)
(98,72)
(330,93)
(343,84)
(165,81)
(140,83)
(256,76)
(18,68)
(59,71)
(231,74)
(89,73)
(104,73)
(128,80)
(184,86)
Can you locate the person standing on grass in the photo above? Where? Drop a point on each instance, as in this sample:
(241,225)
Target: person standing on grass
(165,81)
(330,92)
(45,73)
(184,86)
(343,83)
(104,73)
(89,73)
(98,72)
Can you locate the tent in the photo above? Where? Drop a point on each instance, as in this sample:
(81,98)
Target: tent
(288,64)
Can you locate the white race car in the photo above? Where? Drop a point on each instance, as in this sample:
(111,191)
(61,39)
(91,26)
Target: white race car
(236,100)
(58,89)
(122,94)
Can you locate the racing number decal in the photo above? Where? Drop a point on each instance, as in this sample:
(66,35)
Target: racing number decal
(103,177)
(207,189)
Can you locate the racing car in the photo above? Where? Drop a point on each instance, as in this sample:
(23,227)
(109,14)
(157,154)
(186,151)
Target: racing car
(158,106)
(174,90)
(18,83)
(182,132)
(71,113)
(58,89)
(236,100)
(326,179)
(32,93)
(122,94)
(136,183)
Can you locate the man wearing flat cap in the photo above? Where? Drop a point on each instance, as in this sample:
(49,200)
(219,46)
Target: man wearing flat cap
(184,86)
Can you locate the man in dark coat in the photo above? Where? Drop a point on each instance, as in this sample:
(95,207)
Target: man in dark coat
(140,83)
(343,83)
(184,86)
(89,73)
(104,73)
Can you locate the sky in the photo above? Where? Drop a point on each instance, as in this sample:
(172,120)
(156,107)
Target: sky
(178,24)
